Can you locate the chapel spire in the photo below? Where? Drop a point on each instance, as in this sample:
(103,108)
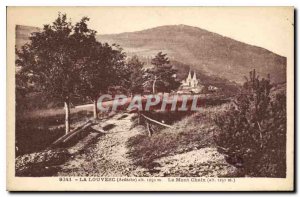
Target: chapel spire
(195,77)
(189,76)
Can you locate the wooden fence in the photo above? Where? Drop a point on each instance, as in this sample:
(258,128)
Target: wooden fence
(150,121)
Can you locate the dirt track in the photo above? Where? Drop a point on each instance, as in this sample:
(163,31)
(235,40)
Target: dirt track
(104,153)
(106,156)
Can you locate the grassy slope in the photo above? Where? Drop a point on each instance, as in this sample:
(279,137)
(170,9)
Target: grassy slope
(193,132)
(36,130)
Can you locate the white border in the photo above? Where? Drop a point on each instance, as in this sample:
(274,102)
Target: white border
(5,3)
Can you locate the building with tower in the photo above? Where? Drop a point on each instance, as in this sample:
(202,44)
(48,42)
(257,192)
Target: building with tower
(191,84)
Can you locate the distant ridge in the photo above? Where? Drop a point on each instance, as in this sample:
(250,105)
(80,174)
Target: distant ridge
(201,50)
(204,51)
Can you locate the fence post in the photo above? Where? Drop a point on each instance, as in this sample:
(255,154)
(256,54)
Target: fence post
(139,118)
(149,129)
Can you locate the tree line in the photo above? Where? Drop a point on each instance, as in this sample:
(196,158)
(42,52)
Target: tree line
(63,61)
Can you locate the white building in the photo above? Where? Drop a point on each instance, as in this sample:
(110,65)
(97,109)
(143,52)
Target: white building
(190,82)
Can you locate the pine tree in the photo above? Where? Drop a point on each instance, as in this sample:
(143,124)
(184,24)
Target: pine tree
(253,132)
(162,75)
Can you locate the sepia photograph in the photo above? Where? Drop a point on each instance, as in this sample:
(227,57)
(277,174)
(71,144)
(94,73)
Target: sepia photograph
(150,98)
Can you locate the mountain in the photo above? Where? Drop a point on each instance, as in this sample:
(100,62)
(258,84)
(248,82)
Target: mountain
(23,33)
(211,55)
(202,51)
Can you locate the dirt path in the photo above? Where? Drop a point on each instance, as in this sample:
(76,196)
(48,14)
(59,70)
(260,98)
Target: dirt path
(196,163)
(107,155)
(103,152)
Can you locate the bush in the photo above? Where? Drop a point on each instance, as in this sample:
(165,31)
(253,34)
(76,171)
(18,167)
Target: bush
(253,132)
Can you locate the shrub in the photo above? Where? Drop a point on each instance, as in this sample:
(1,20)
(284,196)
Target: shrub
(253,132)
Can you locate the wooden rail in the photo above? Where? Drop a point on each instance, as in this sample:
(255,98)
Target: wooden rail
(162,124)
(71,134)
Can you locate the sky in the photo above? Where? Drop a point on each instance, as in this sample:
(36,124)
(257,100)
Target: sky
(268,27)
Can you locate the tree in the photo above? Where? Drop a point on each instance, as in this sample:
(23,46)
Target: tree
(162,75)
(103,67)
(52,61)
(253,132)
(22,82)
(135,75)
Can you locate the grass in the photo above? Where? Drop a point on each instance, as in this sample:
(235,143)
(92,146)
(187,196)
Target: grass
(46,113)
(37,129)
(193,132)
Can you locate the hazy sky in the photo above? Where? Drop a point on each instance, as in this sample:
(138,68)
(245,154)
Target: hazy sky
(270,28)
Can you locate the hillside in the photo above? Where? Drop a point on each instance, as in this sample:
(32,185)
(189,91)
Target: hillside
(203,51)
(209,54)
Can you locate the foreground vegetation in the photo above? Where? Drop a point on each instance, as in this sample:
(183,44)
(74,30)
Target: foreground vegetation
(38,129)
(250,131)
(253,132)
(192,132)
